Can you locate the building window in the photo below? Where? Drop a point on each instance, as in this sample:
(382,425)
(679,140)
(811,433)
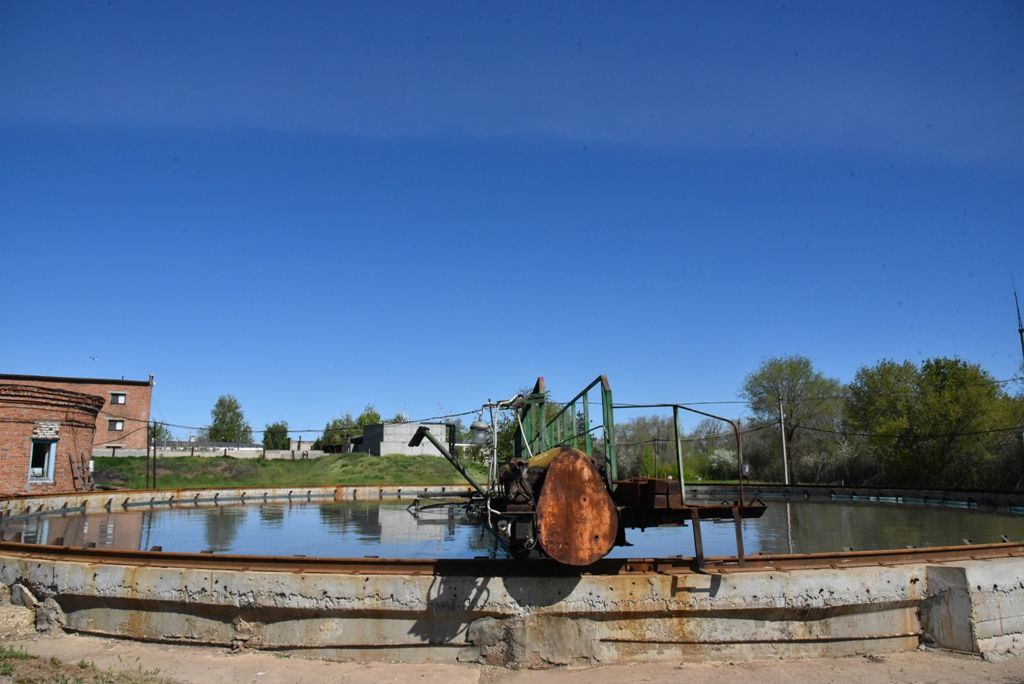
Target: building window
(115,425)
(118,398)
(40,466)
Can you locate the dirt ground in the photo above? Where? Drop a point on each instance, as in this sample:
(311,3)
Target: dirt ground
(73,658)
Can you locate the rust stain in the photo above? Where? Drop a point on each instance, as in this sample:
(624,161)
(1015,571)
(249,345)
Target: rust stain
(577,520)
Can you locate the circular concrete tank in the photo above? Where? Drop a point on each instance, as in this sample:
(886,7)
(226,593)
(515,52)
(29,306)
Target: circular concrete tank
(968,597)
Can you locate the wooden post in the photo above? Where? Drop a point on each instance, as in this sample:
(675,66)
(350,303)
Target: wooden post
(74,475)
(154,459)
(149,433)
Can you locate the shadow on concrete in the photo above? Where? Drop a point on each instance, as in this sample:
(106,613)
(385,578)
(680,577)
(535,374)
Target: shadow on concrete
(540,591)
(679,586)
(453,602)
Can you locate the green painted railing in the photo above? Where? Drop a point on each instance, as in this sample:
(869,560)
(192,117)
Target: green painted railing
(569,425)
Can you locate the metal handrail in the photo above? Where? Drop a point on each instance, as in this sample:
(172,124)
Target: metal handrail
(679,453)
(558,423)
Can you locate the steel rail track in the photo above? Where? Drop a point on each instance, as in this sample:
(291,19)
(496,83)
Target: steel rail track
(489,567)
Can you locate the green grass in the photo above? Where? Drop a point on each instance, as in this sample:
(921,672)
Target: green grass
(7,655)
(14,654)
(335,469)
(24,668)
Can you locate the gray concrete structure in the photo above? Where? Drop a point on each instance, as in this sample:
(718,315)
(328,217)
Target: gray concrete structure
(245,453)
(389,438)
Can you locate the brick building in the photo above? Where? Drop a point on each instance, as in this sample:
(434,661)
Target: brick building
(42,431)
(121,421)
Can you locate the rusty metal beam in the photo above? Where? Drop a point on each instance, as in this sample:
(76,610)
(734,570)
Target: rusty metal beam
(737,520)
(508,567)
(698,541)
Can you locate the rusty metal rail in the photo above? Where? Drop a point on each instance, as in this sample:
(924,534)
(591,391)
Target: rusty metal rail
(488,567)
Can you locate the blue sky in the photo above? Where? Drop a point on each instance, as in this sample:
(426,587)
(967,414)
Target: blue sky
(318,205)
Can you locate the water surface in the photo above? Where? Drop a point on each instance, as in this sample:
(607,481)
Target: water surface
(388,530)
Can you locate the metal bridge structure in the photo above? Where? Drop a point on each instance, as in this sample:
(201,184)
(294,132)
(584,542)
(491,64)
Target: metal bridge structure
(559,495)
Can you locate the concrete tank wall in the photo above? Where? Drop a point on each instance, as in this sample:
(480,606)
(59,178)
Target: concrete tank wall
(969,599)
(539,620)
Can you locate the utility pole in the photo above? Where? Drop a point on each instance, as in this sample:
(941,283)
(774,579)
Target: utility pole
(1020,331)
(1020,323)
(149,442)
(154,455)
(782,426)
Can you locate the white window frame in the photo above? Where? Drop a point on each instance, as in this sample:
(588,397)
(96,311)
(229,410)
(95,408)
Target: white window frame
(115,421)
(124,398)
(51,460)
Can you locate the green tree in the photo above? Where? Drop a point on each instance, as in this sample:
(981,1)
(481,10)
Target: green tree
(507,428)
(881,404)
(228,422)
(369,416)
(462,433)
(707,437)
(810,400)
(275,435)
(337,432)
(936,425)
(399,417)
(641,442)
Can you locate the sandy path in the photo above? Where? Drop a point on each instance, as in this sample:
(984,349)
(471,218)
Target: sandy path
(215,666)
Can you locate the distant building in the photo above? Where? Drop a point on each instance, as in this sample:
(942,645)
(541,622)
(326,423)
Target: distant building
(393,438)
(122,421)
(300,444)
(46,435)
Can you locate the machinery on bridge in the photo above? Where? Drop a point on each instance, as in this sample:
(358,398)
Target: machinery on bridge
(557,495)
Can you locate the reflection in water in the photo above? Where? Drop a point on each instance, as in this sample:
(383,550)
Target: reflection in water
(387,530)
(819,527)
(789,526)
(109,530)
(222,526)
(271,516)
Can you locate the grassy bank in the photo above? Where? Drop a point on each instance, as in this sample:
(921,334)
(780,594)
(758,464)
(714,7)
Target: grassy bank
(335,469)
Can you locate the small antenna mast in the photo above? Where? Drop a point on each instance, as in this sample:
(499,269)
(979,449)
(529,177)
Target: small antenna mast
(1020,323)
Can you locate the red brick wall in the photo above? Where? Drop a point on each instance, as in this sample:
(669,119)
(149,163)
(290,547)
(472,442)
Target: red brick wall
(135,411)
(22,408)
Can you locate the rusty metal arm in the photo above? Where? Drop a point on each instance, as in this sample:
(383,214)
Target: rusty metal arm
(424,431)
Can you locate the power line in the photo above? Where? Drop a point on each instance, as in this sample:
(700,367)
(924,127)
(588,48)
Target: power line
(290,431)
(624,406)
(936,435)
(720,435)
(121,437)
(841,397)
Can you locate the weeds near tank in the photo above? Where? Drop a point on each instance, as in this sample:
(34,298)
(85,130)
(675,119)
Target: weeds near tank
(25,668)
(13,654)
(7,656)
